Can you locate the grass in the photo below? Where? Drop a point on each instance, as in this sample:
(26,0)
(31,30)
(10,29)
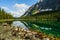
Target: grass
(3,20)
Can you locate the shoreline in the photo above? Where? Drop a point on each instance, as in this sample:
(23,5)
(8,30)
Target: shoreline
(17,33)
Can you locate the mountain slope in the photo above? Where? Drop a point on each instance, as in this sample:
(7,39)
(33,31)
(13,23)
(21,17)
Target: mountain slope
(45,5)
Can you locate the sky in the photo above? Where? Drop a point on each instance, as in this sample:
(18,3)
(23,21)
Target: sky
(16,7)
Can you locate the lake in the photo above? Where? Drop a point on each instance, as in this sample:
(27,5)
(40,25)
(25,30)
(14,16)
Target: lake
(36,26)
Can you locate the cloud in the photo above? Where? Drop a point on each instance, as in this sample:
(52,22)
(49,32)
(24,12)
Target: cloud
(21,6)
(5,8)
(21,9)
(15,14)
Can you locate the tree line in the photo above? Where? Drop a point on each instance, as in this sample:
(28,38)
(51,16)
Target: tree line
(5,15)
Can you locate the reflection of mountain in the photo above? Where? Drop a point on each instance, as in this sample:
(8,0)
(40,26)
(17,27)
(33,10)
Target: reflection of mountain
(45,5)
(48,29)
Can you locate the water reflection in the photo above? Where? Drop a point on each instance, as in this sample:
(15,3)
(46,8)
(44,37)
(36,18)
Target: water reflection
(46,28)
(19,24)
(43,28)
(36,26)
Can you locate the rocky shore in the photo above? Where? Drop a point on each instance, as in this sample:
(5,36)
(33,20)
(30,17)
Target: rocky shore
(8,32)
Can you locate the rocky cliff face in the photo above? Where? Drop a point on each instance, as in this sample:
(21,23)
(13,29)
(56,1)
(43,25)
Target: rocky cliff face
(43,5)
(50,4)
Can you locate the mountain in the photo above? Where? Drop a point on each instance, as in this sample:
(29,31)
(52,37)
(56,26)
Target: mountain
(50,4)
(44,5)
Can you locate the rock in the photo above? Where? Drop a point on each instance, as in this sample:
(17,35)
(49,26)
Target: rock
(45,39)
(28,31)
(25,30)
(34,32)
(30,34)
(5,24)
(27,37)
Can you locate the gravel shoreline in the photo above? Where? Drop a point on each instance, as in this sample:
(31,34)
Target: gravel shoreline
(8,32)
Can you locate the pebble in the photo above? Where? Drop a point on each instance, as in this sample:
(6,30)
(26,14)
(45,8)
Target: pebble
(45,39)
